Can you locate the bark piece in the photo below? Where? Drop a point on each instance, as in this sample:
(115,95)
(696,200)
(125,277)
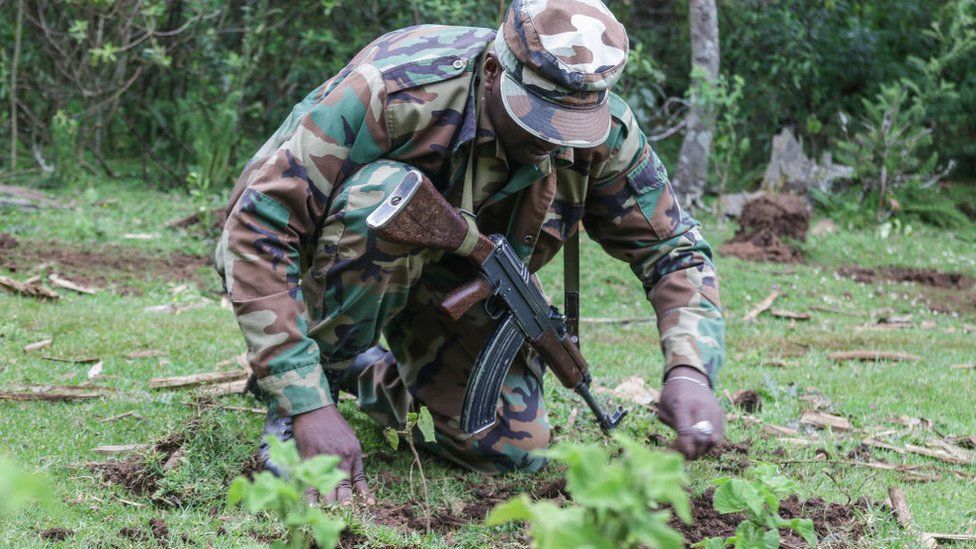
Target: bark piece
(826,421)
(69,285)
(763,305)
(109,449)
(194,380)
(38,345)
(903,514)
(31,289)
(874,356)
(230,388)
(82,360)
(55,392)
(783,313)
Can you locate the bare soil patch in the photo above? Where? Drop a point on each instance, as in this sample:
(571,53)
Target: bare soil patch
(832,521)
(925,277)
(766,227)
(99,266)
(55,534)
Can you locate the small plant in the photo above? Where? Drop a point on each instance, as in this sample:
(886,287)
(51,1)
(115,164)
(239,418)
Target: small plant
(19,488)
(759,498)
(617,502)
(284,496)
(424,422)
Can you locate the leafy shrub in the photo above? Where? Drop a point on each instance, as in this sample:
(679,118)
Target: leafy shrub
(759,498)
(284,496)
(616,502)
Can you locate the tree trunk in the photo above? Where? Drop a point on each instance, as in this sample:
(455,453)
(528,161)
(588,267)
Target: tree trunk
(691,174)
(13,86)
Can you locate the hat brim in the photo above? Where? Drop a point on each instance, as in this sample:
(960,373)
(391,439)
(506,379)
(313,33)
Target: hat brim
(580,127)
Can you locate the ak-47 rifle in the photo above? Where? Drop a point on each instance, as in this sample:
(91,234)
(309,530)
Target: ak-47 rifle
(415,213)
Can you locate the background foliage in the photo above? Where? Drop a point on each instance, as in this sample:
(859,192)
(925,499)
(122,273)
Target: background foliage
(182,91)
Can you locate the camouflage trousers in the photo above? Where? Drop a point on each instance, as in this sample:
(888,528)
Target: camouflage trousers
(360,287)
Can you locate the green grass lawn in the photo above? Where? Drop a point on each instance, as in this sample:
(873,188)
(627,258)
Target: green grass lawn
(782,359)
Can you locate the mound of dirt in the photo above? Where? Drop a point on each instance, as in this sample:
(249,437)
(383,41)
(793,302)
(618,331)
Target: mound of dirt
(764,225)
(925,277)
(99,267)
(830,520)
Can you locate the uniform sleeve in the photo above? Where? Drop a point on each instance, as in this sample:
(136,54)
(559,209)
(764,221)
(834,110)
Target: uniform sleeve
(276,216)
(632,211)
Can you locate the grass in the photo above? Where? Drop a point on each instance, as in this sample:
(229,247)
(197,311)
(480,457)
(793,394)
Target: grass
(58,438)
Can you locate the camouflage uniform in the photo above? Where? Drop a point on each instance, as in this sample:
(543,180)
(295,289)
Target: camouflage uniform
(312,287)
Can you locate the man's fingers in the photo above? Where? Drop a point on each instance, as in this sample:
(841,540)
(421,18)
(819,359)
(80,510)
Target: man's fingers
(359,485)
(344,492)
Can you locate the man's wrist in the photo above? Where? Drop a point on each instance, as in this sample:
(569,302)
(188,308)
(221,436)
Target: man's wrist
(690,372)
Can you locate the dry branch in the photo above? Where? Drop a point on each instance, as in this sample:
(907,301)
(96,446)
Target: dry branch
(822,420)
(69,285)
(55,392)
(762,306)
(874,356)
(783,313)
(904,516)
(32,289)
(38,345)
(194,380)
(109,449)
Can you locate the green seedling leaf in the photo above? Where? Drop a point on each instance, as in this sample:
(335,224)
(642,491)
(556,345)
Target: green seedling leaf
(284,455)
(392,438)
(237,491)
(320,472)
(737,495)
(712,543)
(325,529)
(513,510)
(771,539)
(425,422)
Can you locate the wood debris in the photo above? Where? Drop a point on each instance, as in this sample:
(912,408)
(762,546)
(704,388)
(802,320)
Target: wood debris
(148,353)
(873,356)
(260,411)
(194,380)
(779,430)
(950,537)
(82,360)
(109,449)
(571,422)
(138,236)
(38,345)
(822,420)
(904,516)
(28,288)
(799,441)
(243,363)
(232,388)
(963,366)
(173,308)
(55,392)
(761,307)
(942,452)
(69,285)
(783,313)
(130,413)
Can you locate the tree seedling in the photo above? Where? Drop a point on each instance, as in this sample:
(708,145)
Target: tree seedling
(424,422)
(616,502)
(759,498)
(285,498)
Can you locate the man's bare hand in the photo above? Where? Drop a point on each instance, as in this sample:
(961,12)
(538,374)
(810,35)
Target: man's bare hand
(325,431)
(685,403)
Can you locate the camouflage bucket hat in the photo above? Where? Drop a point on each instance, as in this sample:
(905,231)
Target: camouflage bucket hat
(560,59)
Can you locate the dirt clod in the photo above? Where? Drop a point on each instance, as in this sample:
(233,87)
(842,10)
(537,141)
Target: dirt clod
(8,241)
(748,400)
(764,225)
(159,529)
(55,534)
(829,519)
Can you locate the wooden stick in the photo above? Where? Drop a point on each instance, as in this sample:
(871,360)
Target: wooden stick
(13,85)
(110,449)
(38,345)
(194,380)
(874,356)
(904,516)
(762,306)
(624,320)
(55,392)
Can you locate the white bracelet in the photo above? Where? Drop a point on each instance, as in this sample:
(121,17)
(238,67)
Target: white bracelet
(686,378)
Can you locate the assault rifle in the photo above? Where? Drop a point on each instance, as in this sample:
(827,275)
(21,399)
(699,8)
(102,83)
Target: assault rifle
(415,213)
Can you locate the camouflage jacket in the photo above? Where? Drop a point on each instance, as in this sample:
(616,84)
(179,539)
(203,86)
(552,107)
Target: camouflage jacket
(410,96)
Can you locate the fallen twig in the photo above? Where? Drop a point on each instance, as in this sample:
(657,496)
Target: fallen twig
(38,345)
(762,306)
(823,420)
(194,380)
(82,360)
(110,449)
(29,289)
(783,313)
(625,320)
(55,392)
(874,356)
(69,285)
(904,516)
